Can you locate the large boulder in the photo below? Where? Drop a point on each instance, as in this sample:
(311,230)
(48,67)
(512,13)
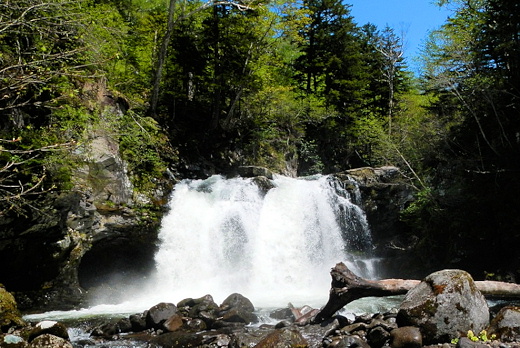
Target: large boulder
(445,305)
(158,314)
(9,314)
(239,309)
(506,324)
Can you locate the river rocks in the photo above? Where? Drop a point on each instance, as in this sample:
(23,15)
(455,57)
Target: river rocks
(49,327)
(9,314)
(48,340)
(253,171)
(287,337)
(445,305)
(406,337)
(237,308)
(159,314)
(365,331)
(506,324)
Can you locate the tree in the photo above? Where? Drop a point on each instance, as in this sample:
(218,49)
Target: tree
(472,168)
(391,48)
(165,42)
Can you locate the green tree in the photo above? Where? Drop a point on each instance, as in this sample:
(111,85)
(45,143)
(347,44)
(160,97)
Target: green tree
(469,70)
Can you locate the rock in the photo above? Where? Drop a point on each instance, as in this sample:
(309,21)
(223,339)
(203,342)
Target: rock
(12,341)
(377,337)
(353,341)
(159,313)
(107,330)
(49,327)
(465,342)
(263,183)
(283,338)
(48,340)
(282,314)
(239,309)
(173,323)
(239,316)
(178,339)
(203,307)
(195,325)
(506,324)
(445,305)
(237,301)
(124,324)
(138,321)
(406,337)
(253,171)
(9,314)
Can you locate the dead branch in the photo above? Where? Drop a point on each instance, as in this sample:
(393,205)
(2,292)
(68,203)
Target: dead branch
(347,287)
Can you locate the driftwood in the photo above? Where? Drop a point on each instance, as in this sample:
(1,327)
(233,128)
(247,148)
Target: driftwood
(347,287)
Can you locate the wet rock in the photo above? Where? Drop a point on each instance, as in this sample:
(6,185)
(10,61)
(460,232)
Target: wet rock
(283,338)
(159,313)
(124,325)
(445,305)
(239,309)
(239,316)
(49,327)
(253,171)
(195,325)
(48,340)
(173,323)
(406,337)
(506,324)
(106,330)
(377,337)
(178,339)
(237,301)
(282,314)
(138,321)
(353,341)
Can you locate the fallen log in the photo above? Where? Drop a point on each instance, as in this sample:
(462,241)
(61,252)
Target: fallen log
(347,287)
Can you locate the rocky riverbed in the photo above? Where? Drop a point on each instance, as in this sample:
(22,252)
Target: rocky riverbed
(444,310)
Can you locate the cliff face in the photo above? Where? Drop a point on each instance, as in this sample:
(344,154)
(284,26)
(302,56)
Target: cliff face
(384,195)
(78,239)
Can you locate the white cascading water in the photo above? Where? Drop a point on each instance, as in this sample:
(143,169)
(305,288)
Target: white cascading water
(225,235)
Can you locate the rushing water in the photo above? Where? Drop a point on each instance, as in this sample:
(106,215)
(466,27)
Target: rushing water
(223,236)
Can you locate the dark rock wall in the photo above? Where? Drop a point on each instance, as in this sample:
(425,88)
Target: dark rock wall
(79,239)
(384,195)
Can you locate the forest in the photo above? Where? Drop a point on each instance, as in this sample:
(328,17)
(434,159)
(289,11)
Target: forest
(296,86)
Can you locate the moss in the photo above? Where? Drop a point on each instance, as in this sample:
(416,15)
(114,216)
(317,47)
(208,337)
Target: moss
(9,314)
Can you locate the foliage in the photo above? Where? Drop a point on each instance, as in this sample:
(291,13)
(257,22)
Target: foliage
(469,72)
(146,150)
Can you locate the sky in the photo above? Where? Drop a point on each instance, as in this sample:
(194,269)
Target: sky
(414,18)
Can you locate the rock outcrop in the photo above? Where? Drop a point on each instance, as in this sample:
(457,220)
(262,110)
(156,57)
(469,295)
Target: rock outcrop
(384,193)
(80,238)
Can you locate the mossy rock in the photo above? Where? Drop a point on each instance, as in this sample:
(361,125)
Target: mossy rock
(9,314)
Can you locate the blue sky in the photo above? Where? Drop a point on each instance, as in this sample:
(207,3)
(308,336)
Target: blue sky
(415,18)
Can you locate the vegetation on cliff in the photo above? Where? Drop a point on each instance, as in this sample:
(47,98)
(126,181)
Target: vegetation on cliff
(296,86)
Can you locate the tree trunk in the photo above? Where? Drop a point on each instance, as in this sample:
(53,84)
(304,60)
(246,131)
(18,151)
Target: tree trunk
(347,287)
(161,57)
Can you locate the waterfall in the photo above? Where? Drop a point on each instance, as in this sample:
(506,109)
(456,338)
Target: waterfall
(222,236)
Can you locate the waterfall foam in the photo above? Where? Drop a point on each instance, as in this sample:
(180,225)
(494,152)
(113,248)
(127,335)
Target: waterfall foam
(222,236)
